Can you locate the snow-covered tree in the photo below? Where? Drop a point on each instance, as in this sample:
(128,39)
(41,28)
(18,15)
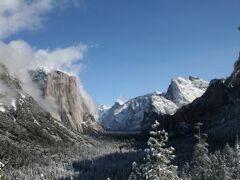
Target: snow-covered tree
(136,174)
(219,168)
(236,160)
(201,163)
(158,162)
(232,159)
(185,173)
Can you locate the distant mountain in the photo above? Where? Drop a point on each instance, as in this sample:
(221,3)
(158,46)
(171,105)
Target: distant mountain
(129,116)
(218,109)
(183,91)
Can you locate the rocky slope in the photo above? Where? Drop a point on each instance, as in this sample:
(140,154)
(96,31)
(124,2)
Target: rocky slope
(218,109)
(68,104)
(23,121)
(130,116)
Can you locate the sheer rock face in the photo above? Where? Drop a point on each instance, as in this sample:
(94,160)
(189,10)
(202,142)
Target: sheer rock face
(64,90)
(234,79)
(67,103)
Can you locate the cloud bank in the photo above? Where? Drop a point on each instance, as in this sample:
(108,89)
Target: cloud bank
(20,57)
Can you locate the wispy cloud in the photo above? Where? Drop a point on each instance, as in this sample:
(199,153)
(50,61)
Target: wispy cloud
(18,15)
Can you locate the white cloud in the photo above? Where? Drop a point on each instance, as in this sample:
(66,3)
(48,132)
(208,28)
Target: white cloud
(19,56)
(60,58)
(18,15)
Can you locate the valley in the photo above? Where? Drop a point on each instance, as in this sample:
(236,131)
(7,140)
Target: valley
(119,90)
(37,145)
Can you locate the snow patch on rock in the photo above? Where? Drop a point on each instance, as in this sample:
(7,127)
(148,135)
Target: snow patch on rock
(163,105)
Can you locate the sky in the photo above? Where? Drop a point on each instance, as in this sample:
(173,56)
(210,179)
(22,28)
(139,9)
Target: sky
(134,47)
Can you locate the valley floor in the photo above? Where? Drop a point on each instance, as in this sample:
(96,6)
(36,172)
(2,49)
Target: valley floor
(96,159)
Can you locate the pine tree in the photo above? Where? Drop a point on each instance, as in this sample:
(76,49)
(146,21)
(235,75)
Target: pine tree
(136,173)
(201,161)
(185,173)
(157,164)
(228,154)
(236,160)
(219,168)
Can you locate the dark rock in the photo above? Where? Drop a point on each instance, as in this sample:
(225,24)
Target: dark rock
(218,109)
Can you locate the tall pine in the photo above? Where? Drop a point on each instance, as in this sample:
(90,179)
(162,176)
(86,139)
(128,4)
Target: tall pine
(158,162)
(200,162)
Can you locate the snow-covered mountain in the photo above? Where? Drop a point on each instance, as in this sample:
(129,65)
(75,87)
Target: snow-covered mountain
(183,91)
(218,109)
(128,116)
(23,120)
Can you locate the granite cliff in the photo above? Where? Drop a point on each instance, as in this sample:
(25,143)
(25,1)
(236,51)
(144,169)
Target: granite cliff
(69,104)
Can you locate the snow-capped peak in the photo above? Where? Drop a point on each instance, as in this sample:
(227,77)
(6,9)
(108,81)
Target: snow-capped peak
(183,91)
(120,101)
(103,107)
(129,115)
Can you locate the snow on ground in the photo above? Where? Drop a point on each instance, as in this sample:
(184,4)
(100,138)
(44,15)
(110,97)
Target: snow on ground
(2,109)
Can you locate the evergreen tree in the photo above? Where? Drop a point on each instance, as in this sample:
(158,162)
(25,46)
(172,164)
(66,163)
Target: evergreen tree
(136,173)
(185,173)
(219,168)
(236,160)
(232,159)
(228,154)
(157,164)
(201,161)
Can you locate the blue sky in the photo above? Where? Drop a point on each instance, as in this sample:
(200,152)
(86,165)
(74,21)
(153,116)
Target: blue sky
(137,46)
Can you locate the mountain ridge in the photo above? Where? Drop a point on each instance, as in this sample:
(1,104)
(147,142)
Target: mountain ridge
(217,109)
(129,115)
